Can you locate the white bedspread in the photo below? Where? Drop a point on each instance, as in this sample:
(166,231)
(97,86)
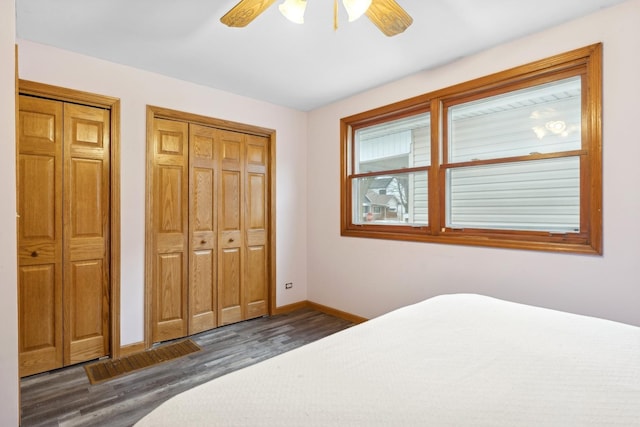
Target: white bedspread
(452,360)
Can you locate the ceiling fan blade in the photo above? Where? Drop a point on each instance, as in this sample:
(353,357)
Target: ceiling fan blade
(245,12)
(389,17)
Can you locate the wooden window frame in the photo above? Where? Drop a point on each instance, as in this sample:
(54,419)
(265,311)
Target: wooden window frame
(585,62)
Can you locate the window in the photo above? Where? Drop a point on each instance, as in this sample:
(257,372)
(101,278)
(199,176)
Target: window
(391,166)
(509,160)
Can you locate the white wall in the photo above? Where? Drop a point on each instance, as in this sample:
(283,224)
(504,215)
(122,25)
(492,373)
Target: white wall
(368,277)
(136,89)
(8,296)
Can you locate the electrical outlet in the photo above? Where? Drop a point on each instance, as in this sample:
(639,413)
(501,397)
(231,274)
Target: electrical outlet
(288,285)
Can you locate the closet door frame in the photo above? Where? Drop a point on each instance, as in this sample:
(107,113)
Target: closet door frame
(26,87)
(154,112)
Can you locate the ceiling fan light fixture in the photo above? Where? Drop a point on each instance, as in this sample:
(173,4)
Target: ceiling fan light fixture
(356,8)
(387,15)
(293,10)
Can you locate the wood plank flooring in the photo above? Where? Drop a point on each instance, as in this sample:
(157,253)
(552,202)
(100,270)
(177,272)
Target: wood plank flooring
(66,398)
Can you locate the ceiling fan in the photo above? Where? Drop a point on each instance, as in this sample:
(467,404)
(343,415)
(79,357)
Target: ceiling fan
(387,15)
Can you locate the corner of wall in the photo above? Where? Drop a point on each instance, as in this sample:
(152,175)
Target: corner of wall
(9,402)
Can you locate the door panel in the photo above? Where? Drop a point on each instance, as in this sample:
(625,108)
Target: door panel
(256,199)
(38,178)
(229,291)
(170,212)
(40,321)
(230,199)
(231,219)
(202,295)
(171,188)
(202,229)
(86,319)
(40,143)
(170,304)
(85,195)
(86,231)
(256,283)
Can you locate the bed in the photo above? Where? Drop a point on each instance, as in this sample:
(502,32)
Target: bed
(451,360)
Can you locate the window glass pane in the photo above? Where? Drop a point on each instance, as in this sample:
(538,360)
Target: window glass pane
(393,145)
(399,199)
(541,119)
(533,195)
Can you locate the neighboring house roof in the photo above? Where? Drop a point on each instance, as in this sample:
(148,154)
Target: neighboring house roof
(380,183)
(381,199)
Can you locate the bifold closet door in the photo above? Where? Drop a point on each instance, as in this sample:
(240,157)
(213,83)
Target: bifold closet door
(231,224)
(256,228)
(202,228)
(210,234)
(184,227)
(86,233)
(40,148)
(170,199)
(63,204)
(243,230)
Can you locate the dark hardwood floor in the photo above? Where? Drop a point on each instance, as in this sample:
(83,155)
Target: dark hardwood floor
(66,398)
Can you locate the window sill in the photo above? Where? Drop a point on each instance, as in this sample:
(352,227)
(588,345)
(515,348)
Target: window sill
(553,243)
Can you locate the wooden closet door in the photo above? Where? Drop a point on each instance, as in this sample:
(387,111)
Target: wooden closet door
(40,145)
(202,229)
(257,230)
(64,195)
(230,229)
(209,237)
(170,229)
(86,233)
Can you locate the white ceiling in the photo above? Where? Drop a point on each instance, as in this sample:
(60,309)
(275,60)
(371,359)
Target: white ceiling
(298,66)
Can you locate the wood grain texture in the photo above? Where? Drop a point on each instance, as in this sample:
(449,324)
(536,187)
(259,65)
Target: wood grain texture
(230,220)
(86,233)
(244,12)
(106,370)
(64,201)
(112,105)
(130,349)
(39,150)
(169,191)
(65,397)
(389,17)
(203,177)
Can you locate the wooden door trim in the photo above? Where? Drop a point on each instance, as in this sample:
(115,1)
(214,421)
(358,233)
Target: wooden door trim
(154,112)
(26,87)
(165,113)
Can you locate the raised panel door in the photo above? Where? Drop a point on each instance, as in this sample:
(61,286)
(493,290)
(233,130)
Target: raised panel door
(170,230)
(40,150)
(210,221)
(202,229)
(86,231)
(256,228)
(230,227)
